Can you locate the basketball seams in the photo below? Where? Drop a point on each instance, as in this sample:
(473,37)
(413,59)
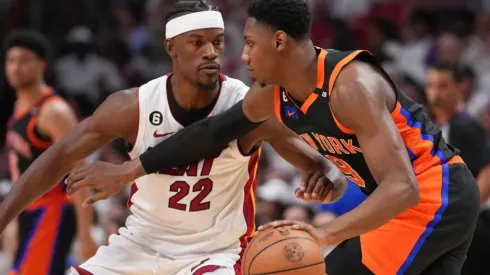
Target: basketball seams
(289,269)
(263,249)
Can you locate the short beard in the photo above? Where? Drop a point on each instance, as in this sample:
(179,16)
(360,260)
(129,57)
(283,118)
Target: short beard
(207,87)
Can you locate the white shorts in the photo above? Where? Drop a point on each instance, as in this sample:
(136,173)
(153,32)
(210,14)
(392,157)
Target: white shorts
(124,257)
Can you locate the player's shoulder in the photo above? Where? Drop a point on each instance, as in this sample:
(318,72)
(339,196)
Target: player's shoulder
(55,106)
(155,84)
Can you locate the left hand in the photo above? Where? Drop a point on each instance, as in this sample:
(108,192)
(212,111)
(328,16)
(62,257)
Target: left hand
(315,187)
(106,179)
(321,236)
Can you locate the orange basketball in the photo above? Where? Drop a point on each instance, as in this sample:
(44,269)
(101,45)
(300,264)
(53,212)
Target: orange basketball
(283,250)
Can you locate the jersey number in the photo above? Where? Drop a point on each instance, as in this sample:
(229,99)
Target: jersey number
(203,187)
(349,173)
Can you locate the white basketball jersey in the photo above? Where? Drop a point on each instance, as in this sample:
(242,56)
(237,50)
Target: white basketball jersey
(204,208)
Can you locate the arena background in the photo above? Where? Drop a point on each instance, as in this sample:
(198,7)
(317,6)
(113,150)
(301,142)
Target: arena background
(102,46)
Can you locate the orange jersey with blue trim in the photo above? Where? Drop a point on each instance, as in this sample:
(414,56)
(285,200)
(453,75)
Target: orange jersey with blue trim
(317,125)
(26,144)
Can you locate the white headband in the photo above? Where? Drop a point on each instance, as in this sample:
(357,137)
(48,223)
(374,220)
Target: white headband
(194,21)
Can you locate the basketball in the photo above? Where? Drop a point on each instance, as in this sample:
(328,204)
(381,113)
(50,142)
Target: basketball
(283,250)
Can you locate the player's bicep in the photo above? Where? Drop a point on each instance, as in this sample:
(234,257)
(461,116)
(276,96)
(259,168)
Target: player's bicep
(78,143)
(361,106)
(103,126)
(384,149)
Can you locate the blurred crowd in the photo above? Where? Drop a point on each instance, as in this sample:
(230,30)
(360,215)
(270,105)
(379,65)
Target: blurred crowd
(103,46)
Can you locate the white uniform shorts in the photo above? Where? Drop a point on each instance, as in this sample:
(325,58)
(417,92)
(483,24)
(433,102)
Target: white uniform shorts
(124,257)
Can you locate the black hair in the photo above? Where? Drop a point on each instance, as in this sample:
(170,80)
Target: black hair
(182,7)
(28,39)
(459,73)
(291,16)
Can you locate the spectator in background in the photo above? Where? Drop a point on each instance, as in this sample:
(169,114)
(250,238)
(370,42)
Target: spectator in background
(83,75)
(410,57)
(130,15)
(449,48)
(465,133)
(459,129)
(298,213)
(467,83)
(380,32)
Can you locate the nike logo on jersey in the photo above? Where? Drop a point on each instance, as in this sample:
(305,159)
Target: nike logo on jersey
(291,112)
(157,135)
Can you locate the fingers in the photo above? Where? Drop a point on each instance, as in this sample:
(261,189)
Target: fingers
(304,182)
(276,224)
(81,184)
(76,176)
(301,226)
(320,185)
(95,198)
(310,182)
(299,193)
(328,186)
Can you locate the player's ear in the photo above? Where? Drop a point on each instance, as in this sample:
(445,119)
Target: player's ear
(280,39)
(170,47)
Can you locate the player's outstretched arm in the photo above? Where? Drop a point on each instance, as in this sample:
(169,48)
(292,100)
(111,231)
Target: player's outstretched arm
(193,143)
(322,182)
(84,139)
(360,102)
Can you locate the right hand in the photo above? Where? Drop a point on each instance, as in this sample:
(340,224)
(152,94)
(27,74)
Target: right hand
(315,187)
(106,179)
(319,187)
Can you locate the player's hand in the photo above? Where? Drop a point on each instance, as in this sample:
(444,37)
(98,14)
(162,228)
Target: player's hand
(105,179)
(315,187)
(321,236)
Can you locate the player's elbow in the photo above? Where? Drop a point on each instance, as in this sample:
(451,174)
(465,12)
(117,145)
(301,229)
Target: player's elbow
(409,192)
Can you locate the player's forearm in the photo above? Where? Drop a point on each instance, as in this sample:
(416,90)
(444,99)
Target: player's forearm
(195,142)
(385,203)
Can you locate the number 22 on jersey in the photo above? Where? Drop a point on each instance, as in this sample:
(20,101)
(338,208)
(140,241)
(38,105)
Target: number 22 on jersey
(348,171)
(200,190)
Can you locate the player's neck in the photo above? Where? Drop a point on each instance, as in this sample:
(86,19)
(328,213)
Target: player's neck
(28,96)
(189,96)
(300,80)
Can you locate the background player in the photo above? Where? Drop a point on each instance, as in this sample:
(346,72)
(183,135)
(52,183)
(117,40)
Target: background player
(423,203)
(177,215)
(48,225)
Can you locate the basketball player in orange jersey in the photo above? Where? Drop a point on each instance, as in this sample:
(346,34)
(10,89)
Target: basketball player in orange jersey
(178,215)
(423,201)
(47,226)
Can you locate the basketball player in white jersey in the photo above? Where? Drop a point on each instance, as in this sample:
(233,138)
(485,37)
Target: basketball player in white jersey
(194,219)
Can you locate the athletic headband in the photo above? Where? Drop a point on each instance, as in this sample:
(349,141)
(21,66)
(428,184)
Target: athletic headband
(194,21)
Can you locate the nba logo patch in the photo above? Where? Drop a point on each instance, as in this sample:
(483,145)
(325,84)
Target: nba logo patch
(291,112)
